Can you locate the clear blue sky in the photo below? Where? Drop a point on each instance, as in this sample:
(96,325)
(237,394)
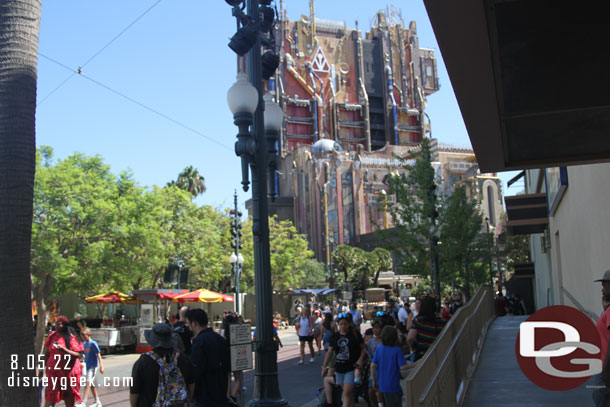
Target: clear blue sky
(174,60)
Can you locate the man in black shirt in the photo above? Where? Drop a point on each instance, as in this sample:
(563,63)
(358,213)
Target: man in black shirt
(181,328)
(145,371)
(211,360)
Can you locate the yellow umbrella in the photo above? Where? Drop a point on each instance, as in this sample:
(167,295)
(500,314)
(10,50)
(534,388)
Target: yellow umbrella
(202,295)
(113,297)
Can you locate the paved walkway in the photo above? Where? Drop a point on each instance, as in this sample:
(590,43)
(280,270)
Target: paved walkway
(499,382)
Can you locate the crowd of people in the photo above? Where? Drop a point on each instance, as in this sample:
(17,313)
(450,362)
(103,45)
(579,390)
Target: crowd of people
(190,362)
(369,364)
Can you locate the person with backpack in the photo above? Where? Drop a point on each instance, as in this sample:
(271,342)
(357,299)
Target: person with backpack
(163,377)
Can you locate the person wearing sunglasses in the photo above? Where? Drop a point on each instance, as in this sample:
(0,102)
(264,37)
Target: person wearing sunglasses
(349,352)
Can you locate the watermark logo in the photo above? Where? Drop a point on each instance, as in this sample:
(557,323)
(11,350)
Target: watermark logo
(558,348)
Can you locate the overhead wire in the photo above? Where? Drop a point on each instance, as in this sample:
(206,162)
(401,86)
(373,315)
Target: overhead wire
(78,72)
(97,53)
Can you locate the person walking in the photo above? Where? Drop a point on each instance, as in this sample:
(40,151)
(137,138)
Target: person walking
(349,351)
(305,329)
(93,359)
(211,361)
(387,363)
(163,375)
(426,327)
(63,350)
(356,315)
(328,329)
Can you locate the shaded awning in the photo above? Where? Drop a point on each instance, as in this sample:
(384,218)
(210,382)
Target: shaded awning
(527,214)
(524,102)
(524,270)
(315,291)
(160,293)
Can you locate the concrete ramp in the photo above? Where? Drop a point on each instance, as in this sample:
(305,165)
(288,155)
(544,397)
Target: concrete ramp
(499,382)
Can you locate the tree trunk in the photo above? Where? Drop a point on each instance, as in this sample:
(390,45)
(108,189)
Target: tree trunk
(19,28)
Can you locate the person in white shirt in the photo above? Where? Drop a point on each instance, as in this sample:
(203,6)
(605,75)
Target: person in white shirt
(403,316)
(356,315)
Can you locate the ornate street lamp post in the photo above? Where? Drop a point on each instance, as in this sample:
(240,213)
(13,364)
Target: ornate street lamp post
(258,124)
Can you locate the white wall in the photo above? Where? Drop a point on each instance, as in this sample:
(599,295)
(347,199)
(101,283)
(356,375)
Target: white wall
(580,236)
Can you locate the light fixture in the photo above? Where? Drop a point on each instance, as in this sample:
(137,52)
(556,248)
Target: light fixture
(273,118)
(233,258)
(240,259)
(244,39)
(274,115)
(267,19)
(233,3)
(270,62)
(242,97)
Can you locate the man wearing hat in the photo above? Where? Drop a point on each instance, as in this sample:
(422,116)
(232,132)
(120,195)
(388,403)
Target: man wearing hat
(145,372)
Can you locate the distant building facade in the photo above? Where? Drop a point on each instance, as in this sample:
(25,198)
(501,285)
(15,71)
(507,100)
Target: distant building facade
(352,104)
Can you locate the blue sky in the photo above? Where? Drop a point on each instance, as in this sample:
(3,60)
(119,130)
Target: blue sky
(175,61)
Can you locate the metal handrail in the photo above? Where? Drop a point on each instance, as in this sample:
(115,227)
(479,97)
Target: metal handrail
(443,373)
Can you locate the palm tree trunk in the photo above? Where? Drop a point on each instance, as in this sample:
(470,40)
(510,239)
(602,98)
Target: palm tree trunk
(19,28)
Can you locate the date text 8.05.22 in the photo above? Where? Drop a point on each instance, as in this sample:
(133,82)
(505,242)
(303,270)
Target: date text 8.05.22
(37,362)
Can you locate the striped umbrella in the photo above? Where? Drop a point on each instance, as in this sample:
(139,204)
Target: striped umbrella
(203,295)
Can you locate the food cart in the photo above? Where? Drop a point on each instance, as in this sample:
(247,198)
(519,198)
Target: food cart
(156,309)
(203,296)
(112,336)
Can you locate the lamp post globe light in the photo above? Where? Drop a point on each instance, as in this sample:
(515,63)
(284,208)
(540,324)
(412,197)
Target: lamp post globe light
(256,146)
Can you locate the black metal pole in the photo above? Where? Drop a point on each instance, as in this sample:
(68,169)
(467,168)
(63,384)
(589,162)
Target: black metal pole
(236,265)
(266,384)
(491,274)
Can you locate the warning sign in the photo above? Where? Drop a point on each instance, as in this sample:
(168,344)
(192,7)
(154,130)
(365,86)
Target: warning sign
(240,334)
(241,357)
(241,346)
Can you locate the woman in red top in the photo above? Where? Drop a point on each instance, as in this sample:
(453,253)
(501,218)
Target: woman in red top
(63,350)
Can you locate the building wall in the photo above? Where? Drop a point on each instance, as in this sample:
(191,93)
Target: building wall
(579,233)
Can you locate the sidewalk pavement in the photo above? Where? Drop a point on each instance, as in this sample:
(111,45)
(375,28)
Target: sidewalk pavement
(299,384)
(498,380)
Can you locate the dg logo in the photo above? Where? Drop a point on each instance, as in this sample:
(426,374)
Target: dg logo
(558,348)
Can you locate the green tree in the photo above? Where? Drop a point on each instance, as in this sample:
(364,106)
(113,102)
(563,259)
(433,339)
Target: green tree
(190,180)
(19,29)
(384,262)
(414,210)
(313,274)
(290,255)
(344,260)
(464,250)
(74,221)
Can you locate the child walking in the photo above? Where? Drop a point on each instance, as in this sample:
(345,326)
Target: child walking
(93,358)
(387,363)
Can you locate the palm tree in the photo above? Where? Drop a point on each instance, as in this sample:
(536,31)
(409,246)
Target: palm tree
(190,180)
(19,29)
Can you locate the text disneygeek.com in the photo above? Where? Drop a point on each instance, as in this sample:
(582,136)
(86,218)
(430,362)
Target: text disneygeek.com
(64,383)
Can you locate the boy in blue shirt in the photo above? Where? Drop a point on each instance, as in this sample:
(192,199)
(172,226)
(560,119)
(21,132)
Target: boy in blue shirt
(386,366)
(93,358)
